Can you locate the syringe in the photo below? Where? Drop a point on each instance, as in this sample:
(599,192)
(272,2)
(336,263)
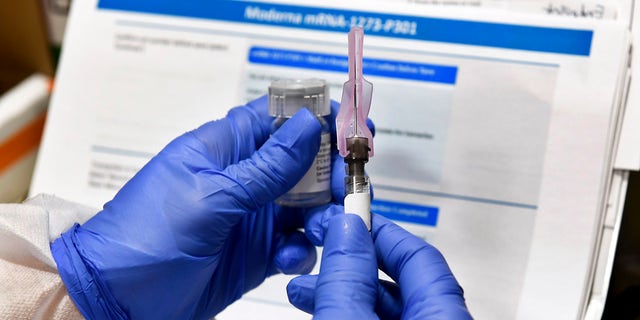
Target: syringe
(354,139)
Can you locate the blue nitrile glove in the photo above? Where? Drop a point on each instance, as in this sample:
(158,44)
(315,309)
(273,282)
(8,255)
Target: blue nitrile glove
(197,227)
(348,286)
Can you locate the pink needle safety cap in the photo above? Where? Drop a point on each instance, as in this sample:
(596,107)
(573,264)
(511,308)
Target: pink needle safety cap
(356,98)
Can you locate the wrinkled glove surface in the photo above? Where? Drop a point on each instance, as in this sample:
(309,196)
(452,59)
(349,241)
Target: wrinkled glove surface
(347,286)
(196,227)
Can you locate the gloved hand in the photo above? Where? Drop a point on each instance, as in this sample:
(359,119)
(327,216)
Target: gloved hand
(347,286)
(196,227)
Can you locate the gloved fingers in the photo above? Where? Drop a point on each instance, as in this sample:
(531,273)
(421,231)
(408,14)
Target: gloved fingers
(238,135)
(335,108)
(348,281)
(372,127)
(261,107)
(317,221)
(440,300)
(217,199)
(414,264)
(337,177)
(389,305)
(295,255)
(337,162)
(278,164)
(289,218)
(301,292)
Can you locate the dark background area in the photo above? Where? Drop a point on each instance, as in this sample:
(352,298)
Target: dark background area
(623,301)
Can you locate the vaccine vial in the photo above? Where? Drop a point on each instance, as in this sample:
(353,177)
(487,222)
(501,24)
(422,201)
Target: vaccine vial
(286,97)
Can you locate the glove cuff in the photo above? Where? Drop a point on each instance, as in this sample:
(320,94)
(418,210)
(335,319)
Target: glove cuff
(82,279)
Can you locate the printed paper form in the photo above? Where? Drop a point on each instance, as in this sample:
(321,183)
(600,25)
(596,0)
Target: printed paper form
(515,207)
(602,9)
(628,156)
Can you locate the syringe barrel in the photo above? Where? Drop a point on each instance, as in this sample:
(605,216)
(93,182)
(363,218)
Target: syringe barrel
(357,199)
(359,203)
(356,184)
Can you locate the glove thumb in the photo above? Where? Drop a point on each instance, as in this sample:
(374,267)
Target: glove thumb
(348,281)
(279,164)
(224,197)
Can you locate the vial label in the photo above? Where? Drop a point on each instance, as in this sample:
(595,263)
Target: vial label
(318,178)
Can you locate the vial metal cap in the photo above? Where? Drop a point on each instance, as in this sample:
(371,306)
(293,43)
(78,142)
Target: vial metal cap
(287,96)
